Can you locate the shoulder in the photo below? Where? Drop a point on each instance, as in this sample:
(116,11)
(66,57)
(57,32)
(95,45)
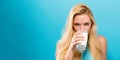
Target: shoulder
(58,45)
(103,42)
(102,39)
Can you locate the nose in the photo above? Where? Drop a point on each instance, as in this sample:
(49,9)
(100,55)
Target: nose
(81,28)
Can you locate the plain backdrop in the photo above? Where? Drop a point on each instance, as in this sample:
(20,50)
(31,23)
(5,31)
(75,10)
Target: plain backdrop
(30,29)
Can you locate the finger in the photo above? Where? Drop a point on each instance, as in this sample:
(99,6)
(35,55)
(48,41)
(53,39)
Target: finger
(77,40)
(75,43)
(79,36)
(77,33)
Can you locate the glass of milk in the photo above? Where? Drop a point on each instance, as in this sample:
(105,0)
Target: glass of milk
(81,47)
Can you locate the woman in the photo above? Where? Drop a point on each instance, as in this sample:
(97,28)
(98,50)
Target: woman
(81,18)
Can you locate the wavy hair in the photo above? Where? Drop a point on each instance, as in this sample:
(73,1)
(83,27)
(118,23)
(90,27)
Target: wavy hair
(93,43)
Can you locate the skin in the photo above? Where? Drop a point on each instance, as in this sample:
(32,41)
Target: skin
(81,22)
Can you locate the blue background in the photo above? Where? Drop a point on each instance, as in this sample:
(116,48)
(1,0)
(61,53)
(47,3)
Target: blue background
(30,29)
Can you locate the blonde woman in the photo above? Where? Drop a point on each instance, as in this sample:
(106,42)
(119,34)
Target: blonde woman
(81,18)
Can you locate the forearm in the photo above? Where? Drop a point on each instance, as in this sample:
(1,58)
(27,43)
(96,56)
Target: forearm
(69,55)
(104,56)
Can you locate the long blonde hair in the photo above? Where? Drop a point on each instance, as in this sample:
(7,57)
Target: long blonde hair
(93,43)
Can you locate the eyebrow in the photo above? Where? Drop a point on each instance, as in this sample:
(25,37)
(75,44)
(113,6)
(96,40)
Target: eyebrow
(87,23)
(77,23)
(83,23)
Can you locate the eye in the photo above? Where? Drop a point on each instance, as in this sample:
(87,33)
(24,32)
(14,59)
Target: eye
(86,24)
(76,24)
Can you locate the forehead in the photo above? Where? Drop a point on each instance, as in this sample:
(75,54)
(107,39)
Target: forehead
(81,18)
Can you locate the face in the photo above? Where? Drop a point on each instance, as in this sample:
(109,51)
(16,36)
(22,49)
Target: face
(82,22)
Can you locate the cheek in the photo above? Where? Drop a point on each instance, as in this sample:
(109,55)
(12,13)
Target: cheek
(88,29)
(75,28)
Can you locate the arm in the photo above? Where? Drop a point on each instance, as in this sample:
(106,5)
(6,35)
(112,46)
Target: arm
(104,45)
(68,55)
(76,39)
